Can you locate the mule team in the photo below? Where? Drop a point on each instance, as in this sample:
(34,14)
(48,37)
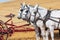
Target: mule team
(44,20)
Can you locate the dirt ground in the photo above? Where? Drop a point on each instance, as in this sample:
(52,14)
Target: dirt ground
(14,6)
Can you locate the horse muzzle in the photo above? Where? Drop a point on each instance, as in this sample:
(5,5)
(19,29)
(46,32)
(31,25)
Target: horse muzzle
(19,17)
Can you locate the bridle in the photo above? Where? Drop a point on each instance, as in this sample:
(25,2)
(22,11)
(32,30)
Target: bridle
(38,18)
(21,12)
(35,19)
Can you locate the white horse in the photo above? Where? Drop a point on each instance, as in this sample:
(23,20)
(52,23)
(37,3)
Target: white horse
(44,16)
(52,21)
(25,15)
(34,18)
(43,12)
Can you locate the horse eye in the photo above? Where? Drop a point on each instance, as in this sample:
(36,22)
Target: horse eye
(26,11)
(35,12)
(21,10)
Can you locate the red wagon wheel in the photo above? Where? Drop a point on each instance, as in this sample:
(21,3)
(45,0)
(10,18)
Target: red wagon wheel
(9,30)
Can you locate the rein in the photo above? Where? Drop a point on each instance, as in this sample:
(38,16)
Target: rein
(54,20)
(55,17)
(48,17)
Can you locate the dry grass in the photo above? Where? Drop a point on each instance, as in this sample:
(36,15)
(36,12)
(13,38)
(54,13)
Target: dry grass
(13,7)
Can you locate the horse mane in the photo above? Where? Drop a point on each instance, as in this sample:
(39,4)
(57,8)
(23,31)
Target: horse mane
(31,6)
(54,9)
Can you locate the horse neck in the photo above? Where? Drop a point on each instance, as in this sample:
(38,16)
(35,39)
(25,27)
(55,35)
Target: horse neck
(42,12)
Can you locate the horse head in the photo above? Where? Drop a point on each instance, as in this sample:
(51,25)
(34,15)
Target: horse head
(33,12)
(22,11)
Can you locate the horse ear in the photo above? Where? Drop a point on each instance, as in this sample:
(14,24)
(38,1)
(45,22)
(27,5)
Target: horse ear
(36,6)
(23,4)
(28,6)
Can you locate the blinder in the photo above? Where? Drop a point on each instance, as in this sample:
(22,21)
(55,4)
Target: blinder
(21,10)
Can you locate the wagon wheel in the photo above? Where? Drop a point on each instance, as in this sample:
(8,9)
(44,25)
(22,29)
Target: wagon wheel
(11,30)
(2,33)
(1,36)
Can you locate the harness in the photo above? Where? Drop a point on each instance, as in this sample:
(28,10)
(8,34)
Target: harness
(48,17)
(34,22)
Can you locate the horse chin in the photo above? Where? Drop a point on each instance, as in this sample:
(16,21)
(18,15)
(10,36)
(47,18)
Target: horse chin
(24,19)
